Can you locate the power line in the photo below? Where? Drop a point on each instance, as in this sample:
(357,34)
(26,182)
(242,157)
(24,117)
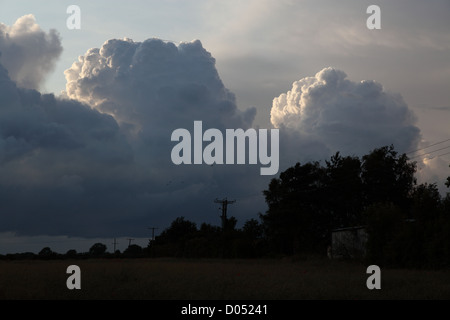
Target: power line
(431,145)
(424,154)
(444,154)
(440,155)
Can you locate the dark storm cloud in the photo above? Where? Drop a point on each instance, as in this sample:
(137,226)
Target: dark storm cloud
(28,52)
(51,155)
(100,165)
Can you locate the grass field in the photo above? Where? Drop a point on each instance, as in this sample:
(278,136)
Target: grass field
(215,279)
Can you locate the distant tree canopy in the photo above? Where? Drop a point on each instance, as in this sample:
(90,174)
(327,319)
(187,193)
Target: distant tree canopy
(72,253)
(97,249)
(46,252)
(179,230)
(134,251)
(388,177)
(418,238)
(184,239)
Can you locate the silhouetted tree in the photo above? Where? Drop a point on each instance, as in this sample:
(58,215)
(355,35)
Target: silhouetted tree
(295,220)
(426,202)
(252,229)
(387,177)
(133,251)
(310,200)
(179,230)
(172,241)
(26,256)
(46,253)
(343,195)
(249,242)
(72,253)
(384,222)
(97,249)
(209,241)
(230,224)
(432,213)
(423,241)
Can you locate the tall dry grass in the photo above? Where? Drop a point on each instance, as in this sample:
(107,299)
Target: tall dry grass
(215,279)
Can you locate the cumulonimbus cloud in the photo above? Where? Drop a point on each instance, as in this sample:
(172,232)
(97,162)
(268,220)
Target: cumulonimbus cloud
(96,161)
(347,116)
(28,52)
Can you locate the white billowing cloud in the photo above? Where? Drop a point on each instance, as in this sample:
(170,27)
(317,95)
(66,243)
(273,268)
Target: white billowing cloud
(152,83)
(28,52)
(351,117)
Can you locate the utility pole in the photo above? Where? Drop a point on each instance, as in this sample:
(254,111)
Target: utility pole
(153,232)
(129,241)
(114,243)
(150,243)
(224,204)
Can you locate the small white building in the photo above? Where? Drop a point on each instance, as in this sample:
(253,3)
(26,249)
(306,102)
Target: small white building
(348,243)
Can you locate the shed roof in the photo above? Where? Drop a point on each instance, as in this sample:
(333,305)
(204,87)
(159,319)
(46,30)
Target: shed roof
(348,228)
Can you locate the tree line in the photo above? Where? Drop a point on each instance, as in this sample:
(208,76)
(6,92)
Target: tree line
(408,224)
(97,250)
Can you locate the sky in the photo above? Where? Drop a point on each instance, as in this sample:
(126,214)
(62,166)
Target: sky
(86,115)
